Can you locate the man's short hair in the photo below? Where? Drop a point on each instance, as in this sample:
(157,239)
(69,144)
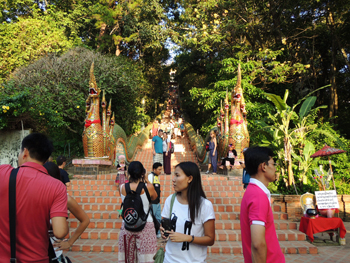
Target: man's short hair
(156,165)
(254,156)
(160,130)
(60,160)
(38,146)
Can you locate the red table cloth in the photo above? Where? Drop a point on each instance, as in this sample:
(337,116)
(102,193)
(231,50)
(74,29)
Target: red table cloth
(312,226)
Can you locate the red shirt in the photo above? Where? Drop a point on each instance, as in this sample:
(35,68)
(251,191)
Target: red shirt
(255,206)
(39,197)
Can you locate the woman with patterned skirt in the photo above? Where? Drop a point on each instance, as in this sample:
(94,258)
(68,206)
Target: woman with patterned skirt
(138,246)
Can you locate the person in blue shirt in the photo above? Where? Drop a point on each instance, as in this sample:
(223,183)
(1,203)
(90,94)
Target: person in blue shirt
(157,148)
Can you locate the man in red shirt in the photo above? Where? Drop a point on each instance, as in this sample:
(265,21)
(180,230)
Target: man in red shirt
(39,198)
(259,238)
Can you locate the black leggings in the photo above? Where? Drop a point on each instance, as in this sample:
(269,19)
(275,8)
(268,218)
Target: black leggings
(231,160)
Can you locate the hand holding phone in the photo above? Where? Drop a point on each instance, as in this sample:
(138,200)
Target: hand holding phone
(166,224)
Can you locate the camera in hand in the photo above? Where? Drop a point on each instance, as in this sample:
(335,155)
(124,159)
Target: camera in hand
(169,224)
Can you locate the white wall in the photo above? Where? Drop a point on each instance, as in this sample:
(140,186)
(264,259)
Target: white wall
(10,145)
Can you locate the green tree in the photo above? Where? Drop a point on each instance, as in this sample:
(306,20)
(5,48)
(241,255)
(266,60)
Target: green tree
(28,40)
(49,95)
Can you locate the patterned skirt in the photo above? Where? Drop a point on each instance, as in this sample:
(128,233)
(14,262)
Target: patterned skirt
(158,158)
(140,246)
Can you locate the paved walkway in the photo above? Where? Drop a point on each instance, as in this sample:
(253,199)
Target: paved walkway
(327,254)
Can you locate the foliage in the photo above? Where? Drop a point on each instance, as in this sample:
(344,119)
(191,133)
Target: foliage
(28,40)
(314,34)
(292,136)
(49,95)
(131,28)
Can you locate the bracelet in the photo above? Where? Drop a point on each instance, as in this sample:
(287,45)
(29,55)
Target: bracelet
(192,239)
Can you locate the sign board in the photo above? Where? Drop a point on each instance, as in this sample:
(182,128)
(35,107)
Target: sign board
(326,199)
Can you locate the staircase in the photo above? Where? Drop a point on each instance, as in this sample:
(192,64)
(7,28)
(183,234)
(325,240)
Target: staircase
(100,199)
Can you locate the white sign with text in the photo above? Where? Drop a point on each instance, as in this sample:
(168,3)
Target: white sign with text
(326,199)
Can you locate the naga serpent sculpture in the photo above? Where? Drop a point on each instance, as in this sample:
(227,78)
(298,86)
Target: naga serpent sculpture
(234,132)
(98,140)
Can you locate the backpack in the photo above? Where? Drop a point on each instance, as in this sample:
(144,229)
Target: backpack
(246,177)
(171,147)
(133,214)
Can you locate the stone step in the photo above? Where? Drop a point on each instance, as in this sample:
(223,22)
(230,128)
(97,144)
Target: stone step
(108,206)
(218,216)
(114,219)
(287,247)
(108,179)
(220,235)
(117,199)
(220,247)
(113,192)
(205,177)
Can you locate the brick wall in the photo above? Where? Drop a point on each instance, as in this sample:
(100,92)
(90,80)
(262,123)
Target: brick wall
(290,204)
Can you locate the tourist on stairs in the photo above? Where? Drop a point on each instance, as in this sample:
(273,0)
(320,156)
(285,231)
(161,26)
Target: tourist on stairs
(153,178)
(157,147)
(192,215)
(143,243)
(213,151)
(230,158)
(166,154)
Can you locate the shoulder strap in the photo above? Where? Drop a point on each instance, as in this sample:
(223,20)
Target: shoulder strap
(143,185)
(127,188)
(172,203)
(139,188)
(147,193)
(12,212)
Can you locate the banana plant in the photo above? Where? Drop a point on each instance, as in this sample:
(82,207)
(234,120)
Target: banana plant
(289,129)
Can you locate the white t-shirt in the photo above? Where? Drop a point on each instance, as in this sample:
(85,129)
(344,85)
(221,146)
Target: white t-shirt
(165,145)
(196,253)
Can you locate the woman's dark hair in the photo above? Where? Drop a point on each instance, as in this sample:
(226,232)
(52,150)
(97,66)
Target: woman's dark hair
(53,170)
(136,171)
(195,189)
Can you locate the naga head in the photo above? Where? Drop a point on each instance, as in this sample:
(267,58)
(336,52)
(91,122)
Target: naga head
(237,94)
(112,120)
(94,91)
(103,103)
(87,104)
(109,108)
(222,114)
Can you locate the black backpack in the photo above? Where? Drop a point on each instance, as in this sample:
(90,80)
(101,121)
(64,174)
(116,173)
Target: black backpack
(133,214)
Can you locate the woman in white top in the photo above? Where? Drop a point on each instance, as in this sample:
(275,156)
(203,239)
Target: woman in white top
(142,243)
(166,153)
(195,223)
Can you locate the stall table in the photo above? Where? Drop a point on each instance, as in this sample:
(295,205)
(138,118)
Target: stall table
(321,224)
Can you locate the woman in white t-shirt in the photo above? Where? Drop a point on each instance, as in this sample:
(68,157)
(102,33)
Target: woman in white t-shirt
(195,223)
(166,153)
